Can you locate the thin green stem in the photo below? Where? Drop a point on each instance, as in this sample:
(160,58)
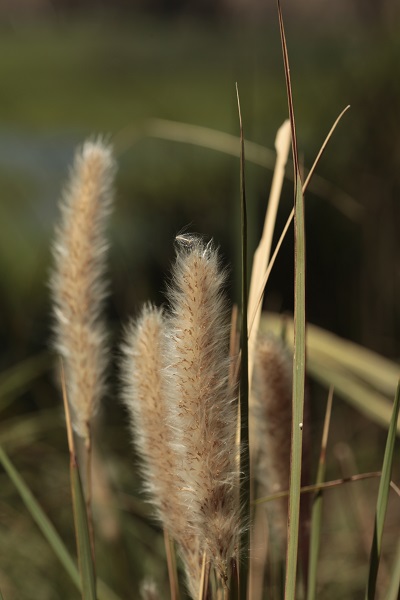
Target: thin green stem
(244,384)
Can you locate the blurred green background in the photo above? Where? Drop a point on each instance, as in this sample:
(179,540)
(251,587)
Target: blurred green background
(73,70)
(68,74)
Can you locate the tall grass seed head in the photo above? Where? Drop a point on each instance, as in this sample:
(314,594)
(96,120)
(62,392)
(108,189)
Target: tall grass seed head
(77,282)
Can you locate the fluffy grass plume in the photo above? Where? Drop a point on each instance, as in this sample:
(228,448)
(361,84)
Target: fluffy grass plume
(144,376)
(77,282)
(144,398)
(272,419)
(202,408)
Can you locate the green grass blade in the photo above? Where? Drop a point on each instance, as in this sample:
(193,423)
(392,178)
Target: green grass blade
(48,529)
(86,562)
(383,495)
(370,367)
(316,515)
(370,403)
(377,371)
(298,397)
(327,356)
(299,357)
(244,382)
(394,586)
(41,520)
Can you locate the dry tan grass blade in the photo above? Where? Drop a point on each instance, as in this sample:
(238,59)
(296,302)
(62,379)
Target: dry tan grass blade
(260,264)
(291,216)
(262,254)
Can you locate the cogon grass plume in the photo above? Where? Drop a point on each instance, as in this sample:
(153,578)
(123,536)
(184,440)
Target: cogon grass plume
(202,407)
(183,410)
(77,282)
(78,288)
(144,396)
(272,418)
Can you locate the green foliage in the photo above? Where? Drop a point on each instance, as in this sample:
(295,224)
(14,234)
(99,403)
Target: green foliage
(41,519)
(298,395)
(383,496)
(333,360)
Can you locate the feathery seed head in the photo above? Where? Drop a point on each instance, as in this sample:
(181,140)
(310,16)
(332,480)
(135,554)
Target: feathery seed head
(77,281)
(144,375)
(202,410)
(184,413)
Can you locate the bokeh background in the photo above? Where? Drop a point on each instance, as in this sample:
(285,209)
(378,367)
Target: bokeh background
(69,70)
(73,69)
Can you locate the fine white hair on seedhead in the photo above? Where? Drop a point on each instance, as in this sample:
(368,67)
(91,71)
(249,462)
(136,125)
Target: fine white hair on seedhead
(77,281)
(202,410)
(183,411)
(144,377)
(144,397)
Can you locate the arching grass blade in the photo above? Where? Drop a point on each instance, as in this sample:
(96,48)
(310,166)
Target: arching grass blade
(381,505)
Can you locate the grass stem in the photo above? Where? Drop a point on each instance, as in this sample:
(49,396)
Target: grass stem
(245,476)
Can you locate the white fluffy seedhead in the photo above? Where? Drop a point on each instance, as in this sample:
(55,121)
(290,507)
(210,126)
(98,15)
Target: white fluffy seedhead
(202,411)
(183,411)
(144,376)
(77,282)
(144,398)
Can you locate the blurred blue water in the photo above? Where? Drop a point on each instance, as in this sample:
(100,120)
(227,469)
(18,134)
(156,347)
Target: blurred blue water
(40,162)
